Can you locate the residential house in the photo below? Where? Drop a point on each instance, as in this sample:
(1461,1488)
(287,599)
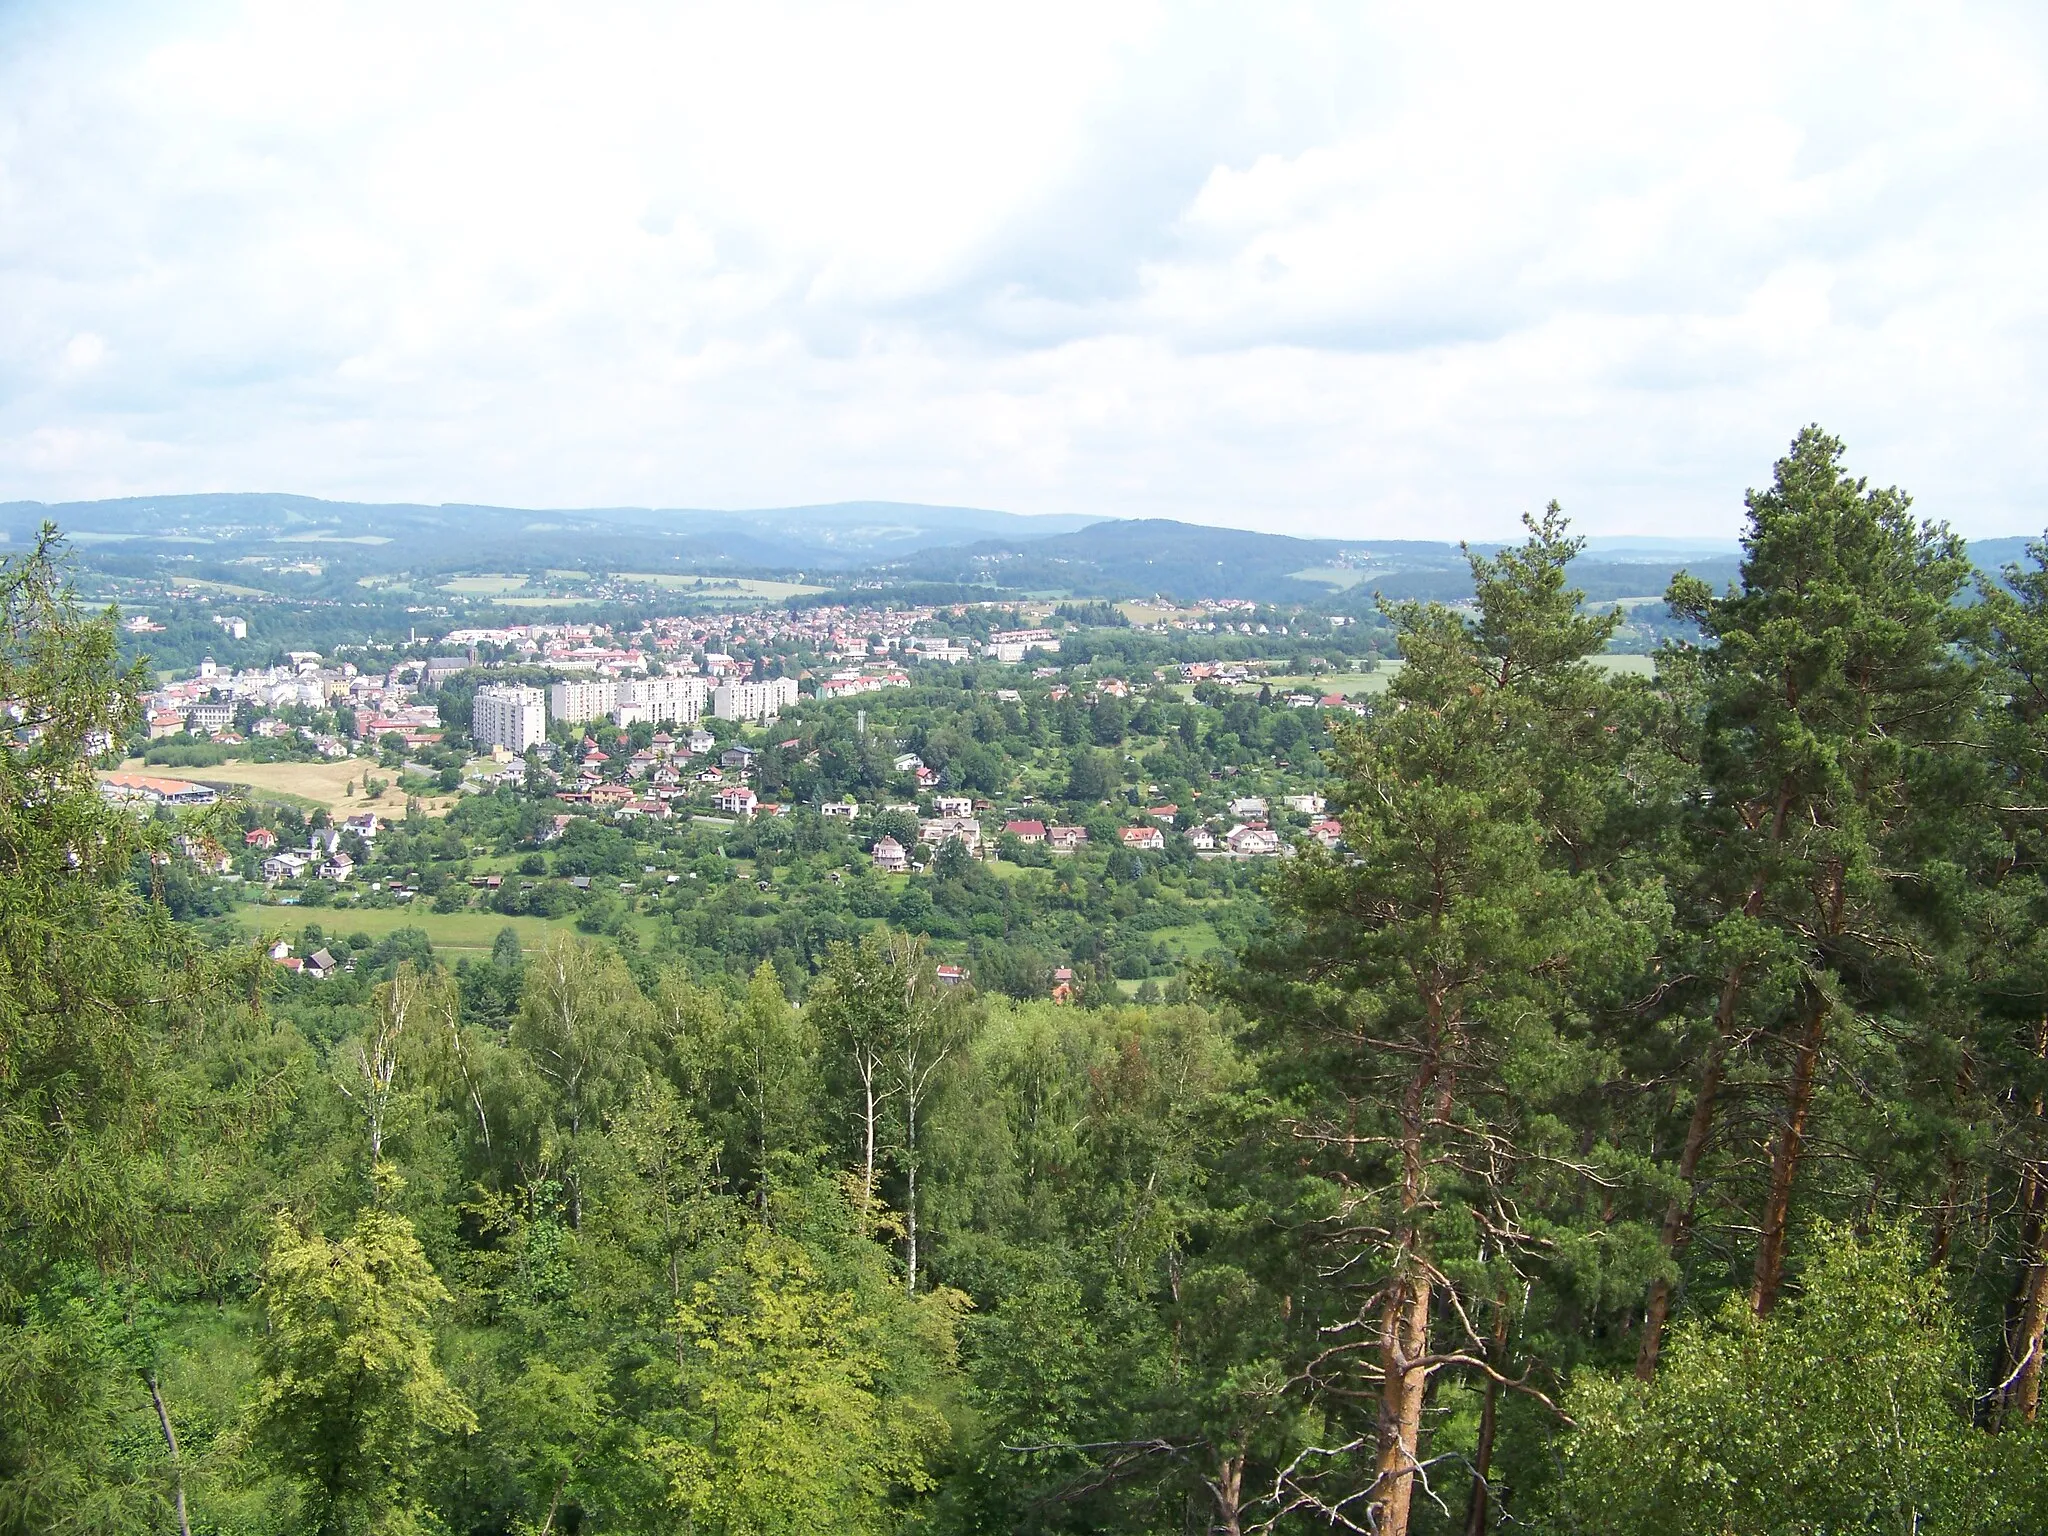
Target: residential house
(1063,985)
(261,837)
(1143,839)
(941,830)
(738,800)
(1329,833)
(889,856)
(321,964)
(1307,805)
(206,853)
(1026,831)
(951,975)
(954,805)
(1254,840)
(1164,813)
(288,865)
(1248,808)
(1201,839)
(839,810)
(1065,839)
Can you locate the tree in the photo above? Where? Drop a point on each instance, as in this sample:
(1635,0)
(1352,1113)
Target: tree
(1088,777)
(787,1422)
(1411,989)
(930,1028)
(583,1024)
(414,1002)
(856,1009)
(761,1065)
(348,1385)
(1827,681)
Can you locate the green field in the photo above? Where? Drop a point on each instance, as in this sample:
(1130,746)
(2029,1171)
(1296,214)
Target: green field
(227,588)
(1352,684)
(721,586)
(1189,939)
(1342,577)
(484,586)
(458,933)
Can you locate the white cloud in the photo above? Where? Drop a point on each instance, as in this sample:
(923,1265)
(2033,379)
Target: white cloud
(1394,270)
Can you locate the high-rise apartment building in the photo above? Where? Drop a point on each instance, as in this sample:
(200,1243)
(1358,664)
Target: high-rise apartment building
(582,699)
(508,716)
(661,700)
(753,701)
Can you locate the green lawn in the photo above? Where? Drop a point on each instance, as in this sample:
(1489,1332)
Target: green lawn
(1188,939)
(456,932)
(484,586)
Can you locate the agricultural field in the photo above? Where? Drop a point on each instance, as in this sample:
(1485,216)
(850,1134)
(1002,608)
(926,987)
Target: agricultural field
(722,586)
(1341,577)
(488,585)
(222,588)
(458,933)
(323,785)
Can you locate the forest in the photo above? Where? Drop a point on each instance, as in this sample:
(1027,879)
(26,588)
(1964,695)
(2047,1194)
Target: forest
(1637,1124)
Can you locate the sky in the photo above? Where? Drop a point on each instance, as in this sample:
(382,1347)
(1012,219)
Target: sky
(1345,270)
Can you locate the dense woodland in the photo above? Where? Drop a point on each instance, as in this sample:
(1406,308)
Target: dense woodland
(1639,1125)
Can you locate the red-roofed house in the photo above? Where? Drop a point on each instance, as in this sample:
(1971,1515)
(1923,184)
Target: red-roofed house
(1143,839)
(1026,831)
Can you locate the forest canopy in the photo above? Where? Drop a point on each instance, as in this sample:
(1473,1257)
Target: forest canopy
(1637,1123)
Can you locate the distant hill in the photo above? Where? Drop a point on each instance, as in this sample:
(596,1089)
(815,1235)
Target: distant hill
(902,544)
(1141,557)
(838,536)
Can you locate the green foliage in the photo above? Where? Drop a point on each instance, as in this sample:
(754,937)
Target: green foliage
(787,1420)
(1847,1410)
(349,1386)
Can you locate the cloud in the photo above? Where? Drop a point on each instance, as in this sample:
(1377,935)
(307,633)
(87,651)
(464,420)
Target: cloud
(1388,270)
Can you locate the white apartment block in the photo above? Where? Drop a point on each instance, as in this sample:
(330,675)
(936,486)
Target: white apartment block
(661,700)
(511,717)
(753,701)
(582,700)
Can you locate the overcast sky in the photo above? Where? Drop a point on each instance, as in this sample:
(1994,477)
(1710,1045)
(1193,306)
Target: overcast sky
(1335,270)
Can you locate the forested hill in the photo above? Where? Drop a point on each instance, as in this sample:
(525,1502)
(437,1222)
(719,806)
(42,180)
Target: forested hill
(833,537)
(1631,1118)
(1141,557)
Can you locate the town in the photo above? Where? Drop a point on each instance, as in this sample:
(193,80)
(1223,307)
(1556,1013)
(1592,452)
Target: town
(950,769)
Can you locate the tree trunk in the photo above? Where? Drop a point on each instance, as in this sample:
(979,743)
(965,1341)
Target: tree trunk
(910,1193)
(1478,1507)
(1677,1230)
(1227,1488)
(1404,1317)
(868,1068)
(163,1417)
(1404,1340)
(2023,1396)
(1770,1252)
(2028,1315)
